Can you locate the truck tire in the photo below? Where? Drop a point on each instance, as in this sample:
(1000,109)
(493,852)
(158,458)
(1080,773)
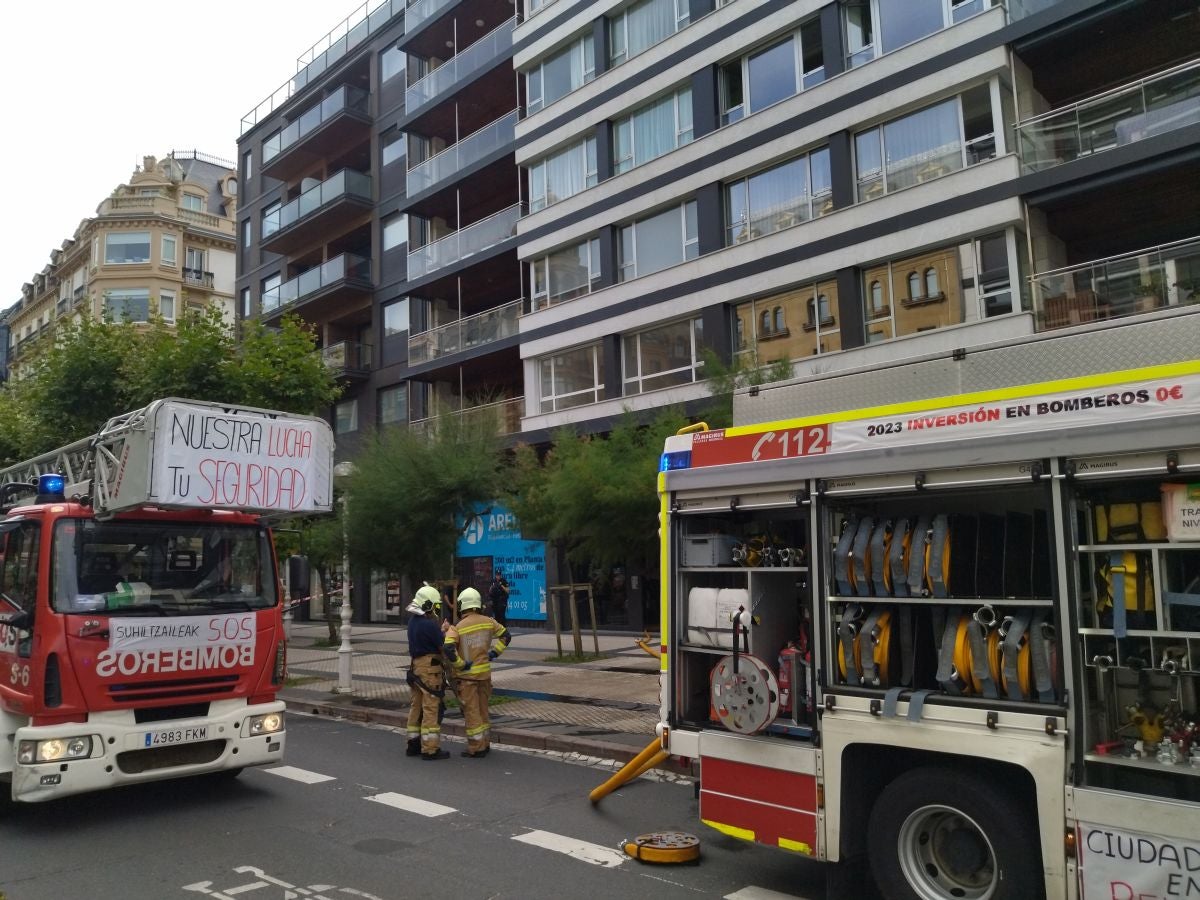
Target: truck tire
(939,834)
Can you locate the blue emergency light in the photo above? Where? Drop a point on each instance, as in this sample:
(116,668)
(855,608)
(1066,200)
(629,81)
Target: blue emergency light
(50,488)
(676,459)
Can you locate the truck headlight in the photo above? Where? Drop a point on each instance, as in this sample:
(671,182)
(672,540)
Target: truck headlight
(268,723)
(54,750)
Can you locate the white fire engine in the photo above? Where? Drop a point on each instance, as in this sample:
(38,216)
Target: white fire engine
(957,632)
(141,632)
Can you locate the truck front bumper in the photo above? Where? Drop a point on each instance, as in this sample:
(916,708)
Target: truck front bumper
(125,752)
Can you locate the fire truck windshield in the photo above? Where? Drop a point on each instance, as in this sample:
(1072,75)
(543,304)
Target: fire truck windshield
(160,568)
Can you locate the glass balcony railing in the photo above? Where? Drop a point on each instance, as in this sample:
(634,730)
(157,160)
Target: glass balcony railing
(1119,286)
(468,241)
(474,58)
(1124,115)
(337,269)
(350,32)
(457,157)
(347,356)
(423,10)
(504,416)
(465,333)
(345,98)
(346,183)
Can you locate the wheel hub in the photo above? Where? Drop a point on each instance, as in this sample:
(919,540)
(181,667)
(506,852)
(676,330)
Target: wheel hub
(944,853)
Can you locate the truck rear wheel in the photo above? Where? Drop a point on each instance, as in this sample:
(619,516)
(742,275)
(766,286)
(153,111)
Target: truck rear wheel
(937,834)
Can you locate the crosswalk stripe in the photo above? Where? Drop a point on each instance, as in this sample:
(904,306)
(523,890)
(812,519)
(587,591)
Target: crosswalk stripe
(595,854)
(411,804)
(757,893)
(302,775)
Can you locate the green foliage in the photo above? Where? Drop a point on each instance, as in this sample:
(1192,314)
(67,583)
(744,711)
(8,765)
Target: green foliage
(724,379)
(280,369)
(409,491)
(597,496)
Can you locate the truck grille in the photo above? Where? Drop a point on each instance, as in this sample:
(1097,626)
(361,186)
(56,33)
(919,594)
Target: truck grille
(146,714)
(172,690)
(133,762)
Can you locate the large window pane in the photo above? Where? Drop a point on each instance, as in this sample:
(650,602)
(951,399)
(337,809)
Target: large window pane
(779,197)
(649,22)
(772,75)
(127,247)
(393,404)
(572,378)
(904,21)
(659,358)
(860,37)
(395,317)
(131,304)
(922,146)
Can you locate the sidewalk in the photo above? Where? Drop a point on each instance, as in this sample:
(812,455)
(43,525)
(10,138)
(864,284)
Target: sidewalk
(607,708)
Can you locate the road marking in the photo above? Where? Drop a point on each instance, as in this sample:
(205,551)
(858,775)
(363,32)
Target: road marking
(757,893)
(595,854)
(411,804)
(302,775)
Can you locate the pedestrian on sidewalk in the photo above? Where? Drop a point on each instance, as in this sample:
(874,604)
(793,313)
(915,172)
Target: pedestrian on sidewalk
(498,597)
(469,648)
(426,675)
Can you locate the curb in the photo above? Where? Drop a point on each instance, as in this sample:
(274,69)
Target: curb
(501,734)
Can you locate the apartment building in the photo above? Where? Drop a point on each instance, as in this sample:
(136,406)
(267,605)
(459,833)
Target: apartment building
(161,243)
(844,185)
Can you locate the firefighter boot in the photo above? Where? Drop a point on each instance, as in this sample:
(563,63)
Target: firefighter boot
(414,747)
(437,754)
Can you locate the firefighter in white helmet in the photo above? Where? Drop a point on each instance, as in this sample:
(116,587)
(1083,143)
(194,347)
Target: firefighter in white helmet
(425,675)
(469,648)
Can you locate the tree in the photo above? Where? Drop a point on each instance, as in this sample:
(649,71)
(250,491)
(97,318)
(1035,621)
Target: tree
(410,492)
(282,369)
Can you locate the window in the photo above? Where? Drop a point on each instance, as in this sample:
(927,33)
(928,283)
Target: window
(992,279)
(19,580)
(662,357)
(562,174)
(245,295)
(391,63)
(270,219)
(395,318)
(817,311)
(192,202)
(764,322)
(812,59)
(772,74)
(653,130)
(168,250)
(127,247)
(658,242)
(393,405)
(247,166)
(395,231)
(571,378)
(166,305)
(642,25)
(919,293)
(779,326)
(931,283)
(346,417)
(566,274)
(194,262)
(777,198)
(245,232)
(132,304)
(914,285)
(923,145)
(556,76)
(762,326)
(393,146)
(859,32)
(903,21)
(878,307)
(270,291)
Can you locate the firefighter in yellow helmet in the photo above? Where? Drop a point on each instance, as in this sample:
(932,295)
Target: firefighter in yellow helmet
(424,676)
(469,648)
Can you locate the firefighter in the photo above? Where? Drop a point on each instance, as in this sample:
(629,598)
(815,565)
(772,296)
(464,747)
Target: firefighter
(469,648)
(425,675)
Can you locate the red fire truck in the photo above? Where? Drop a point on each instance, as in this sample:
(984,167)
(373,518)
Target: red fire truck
(983,604)
(141,630)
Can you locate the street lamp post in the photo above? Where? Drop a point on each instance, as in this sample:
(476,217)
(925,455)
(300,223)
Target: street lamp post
(345,653)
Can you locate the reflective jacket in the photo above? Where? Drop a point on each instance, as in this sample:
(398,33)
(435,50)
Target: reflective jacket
(469,642)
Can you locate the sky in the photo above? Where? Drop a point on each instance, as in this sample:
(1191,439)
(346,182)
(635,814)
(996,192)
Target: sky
(92,86)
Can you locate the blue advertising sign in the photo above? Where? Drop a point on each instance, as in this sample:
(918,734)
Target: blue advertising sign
(495,532)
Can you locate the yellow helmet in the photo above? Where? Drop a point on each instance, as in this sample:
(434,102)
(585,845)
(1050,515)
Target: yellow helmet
(469,599)
(427,599)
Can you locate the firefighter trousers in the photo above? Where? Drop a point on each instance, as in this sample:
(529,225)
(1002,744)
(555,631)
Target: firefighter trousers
(473,694)
(424,713)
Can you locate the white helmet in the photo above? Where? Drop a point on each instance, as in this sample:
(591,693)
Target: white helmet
(469,599)
(427,599)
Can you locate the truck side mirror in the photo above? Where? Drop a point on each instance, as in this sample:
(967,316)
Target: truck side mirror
(19,619)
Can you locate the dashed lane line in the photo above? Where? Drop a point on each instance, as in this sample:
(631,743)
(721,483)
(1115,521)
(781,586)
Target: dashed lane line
(757,893)
(302,775)
(587,852)
(411,804)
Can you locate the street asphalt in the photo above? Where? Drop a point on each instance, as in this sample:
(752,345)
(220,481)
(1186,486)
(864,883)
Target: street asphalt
(605,709)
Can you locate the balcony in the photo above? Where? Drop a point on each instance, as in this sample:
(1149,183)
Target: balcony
(416,14)
(502,417)
(466,242)
(457,157)
(323,289)
(475,58)
(348,359)
(1119,286)
(337,121)
(321,211)
(1134,112)
(198,278)
(465,333)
